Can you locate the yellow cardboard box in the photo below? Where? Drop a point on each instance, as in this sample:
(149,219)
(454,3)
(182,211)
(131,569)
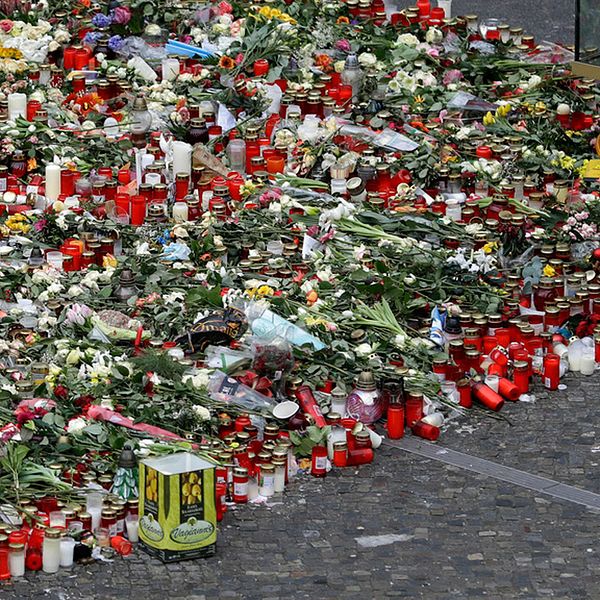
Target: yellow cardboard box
(178,515)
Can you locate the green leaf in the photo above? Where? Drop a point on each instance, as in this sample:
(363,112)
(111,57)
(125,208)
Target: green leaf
(48,418)
(94,429)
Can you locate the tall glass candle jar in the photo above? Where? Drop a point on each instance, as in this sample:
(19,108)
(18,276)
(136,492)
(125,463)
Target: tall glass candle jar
(267,480)
(51,550)
(280,465)
(240,485)
(16,559)
(319,461)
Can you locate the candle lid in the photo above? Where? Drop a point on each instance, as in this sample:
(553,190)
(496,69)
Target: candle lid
(366,381)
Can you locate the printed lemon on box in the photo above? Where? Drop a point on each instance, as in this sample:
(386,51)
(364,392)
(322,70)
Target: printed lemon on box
(178,515)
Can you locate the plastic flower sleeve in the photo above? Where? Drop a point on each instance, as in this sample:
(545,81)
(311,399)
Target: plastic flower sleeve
(226,359)
(223,388)
(266,324)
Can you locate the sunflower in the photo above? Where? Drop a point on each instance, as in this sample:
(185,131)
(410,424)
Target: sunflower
(226,62)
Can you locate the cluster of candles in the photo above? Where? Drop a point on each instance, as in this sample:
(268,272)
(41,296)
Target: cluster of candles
(249,467)
(53,541)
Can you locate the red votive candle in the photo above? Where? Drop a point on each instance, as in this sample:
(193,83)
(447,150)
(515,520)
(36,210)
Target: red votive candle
(487,396)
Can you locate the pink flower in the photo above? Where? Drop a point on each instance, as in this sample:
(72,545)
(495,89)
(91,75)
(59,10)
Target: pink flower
(121,15)
(452,76)
(39,225)
(434,52)
(343,45)
(6,25)
(239,58)
(224,8)
(235,28)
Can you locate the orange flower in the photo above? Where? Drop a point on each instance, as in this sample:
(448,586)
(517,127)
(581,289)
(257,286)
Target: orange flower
(226,62)
(311,297)
(88,102)
(31,164)
(324,62)
(343,21)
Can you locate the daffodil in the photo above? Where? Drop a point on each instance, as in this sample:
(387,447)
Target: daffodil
(549,271)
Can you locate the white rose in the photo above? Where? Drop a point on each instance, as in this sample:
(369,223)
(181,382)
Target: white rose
(201,412)
(434,36)
(76,425)
(407,39)
(364,349)
(74,291)
(400,340)
(366,59)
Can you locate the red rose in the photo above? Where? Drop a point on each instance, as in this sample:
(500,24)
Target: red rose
(61,392)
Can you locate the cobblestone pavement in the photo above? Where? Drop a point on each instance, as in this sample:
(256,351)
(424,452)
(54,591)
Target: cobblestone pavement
(545,19)
(449,533)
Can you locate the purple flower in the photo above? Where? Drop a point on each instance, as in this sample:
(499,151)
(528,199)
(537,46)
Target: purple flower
(115,43)
(101,21)
(121,15)
(91,38)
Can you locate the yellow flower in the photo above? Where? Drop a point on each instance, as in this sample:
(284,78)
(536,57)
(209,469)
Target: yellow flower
(549,271)
(260,292)
(490,247)
(248,188)
(109,261)
(17,223)
(489,119)
(274,13)
(567,163)
(503,110)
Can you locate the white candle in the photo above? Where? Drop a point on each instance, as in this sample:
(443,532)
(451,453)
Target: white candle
(17,106)
(279,483)
(170,69)
(132,523)
(67,546)
(180,211)
(182,158)
(447,6)
(96,514)
(52,182)
(16,562)
(587,364)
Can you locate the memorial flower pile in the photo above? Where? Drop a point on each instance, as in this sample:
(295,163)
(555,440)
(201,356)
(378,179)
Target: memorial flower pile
(270,235)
